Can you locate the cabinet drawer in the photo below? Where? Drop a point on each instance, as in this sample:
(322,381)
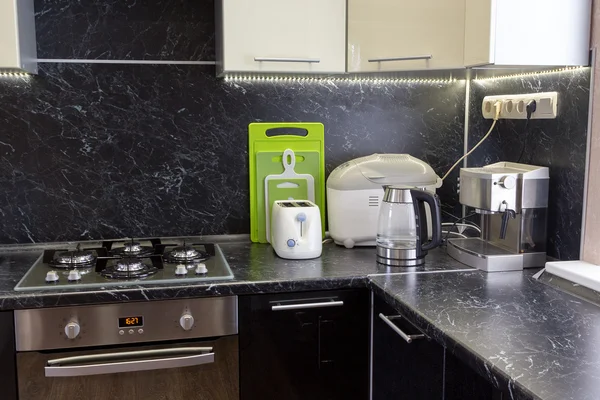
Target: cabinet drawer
(310,345)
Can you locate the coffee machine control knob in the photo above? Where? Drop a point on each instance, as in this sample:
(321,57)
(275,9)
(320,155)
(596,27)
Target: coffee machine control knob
(508,182)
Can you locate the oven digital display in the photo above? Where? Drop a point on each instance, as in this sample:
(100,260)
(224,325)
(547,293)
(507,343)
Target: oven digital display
(130,322)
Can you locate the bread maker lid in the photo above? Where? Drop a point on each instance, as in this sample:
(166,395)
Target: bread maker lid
(383,169)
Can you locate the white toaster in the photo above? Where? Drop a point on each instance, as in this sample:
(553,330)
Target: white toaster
(296,229)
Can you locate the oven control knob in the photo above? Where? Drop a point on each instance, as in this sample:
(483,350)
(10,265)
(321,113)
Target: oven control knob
(508,182)
(181,270)
(74,276)
(51,277)
(72,330)
(186,321)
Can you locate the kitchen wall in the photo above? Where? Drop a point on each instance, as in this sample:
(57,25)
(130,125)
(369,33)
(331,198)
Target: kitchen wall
(559,144)
(591,249)
(91,151)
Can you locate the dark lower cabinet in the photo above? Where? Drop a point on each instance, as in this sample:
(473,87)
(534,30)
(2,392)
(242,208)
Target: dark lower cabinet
(8,364)
(302,346)
(402,370)
(462,382)
(421,369)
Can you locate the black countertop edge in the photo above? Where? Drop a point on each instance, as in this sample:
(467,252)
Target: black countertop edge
(483,367)
(26,300)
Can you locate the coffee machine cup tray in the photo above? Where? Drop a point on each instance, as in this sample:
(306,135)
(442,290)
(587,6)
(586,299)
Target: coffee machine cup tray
(483,255)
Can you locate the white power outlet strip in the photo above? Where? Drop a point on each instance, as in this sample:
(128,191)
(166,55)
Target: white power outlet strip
(514,106)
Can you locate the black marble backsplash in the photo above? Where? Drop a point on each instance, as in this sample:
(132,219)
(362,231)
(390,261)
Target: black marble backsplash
(181,30)
(559,144)
(104,151)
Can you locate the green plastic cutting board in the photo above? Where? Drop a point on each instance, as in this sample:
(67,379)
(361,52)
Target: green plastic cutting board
(266,151)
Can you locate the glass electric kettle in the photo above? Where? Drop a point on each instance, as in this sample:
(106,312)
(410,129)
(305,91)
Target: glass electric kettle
(402,237)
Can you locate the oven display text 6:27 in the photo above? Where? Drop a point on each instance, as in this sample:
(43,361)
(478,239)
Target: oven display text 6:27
(127,322)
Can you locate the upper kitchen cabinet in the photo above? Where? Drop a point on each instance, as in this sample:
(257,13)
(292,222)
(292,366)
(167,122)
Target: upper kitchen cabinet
(281,36)
(527,33)
(17,36)
(400,35)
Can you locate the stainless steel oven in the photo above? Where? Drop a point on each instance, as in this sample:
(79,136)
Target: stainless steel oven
(168,350)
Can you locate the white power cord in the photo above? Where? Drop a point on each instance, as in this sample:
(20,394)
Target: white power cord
(454,233)
(498,107)
(464,225)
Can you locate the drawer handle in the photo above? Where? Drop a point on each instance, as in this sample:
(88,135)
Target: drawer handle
(407,338)
(408,58)
(290,60)
(307,305)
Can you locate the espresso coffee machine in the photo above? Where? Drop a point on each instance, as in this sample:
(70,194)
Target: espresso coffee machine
(512,200)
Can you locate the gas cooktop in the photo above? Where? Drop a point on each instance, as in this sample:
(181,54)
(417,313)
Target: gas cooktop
(126,262)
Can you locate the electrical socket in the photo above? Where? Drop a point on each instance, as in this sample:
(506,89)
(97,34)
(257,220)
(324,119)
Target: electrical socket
(514,106)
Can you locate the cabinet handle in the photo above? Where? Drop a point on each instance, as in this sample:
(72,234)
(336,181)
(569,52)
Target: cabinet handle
(291,60)
(408,58)
(408,338)
(307,305)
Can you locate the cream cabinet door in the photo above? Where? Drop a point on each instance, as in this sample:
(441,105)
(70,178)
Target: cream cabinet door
(17,36)
(300,36)
(398,35)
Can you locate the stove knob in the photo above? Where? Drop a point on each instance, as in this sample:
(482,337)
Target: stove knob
(72,330)
(74,275)
(186,321)
(201,269)
(181,270)
(51,277)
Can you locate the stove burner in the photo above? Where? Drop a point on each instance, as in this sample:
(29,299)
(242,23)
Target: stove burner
(186,253)
(128,268)
(73,259)
(129,264)
(133,249)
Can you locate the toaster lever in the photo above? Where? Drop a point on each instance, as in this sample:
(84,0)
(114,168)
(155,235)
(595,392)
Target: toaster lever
(301,217)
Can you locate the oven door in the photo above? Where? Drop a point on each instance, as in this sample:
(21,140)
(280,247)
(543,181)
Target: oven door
(192,370)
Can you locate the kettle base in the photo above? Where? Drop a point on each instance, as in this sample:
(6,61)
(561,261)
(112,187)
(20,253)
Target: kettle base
(394,262)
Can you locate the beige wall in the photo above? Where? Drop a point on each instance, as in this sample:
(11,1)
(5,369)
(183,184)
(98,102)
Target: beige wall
(591,244)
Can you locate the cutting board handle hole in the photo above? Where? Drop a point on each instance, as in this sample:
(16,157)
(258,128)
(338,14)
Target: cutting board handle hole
(286,132)
(279,159)
(288,185)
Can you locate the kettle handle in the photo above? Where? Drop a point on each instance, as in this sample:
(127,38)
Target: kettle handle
(423,196)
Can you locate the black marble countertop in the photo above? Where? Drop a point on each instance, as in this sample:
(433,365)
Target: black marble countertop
(529,338)
(256,269)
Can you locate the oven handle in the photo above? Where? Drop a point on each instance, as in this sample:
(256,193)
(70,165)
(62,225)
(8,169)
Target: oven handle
(170,358)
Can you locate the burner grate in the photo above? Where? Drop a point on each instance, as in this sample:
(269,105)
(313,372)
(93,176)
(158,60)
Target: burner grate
(71,259)
(129,268)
